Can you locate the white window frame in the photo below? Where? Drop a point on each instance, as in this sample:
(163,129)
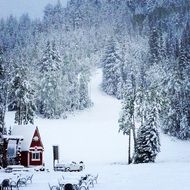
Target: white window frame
(34,157)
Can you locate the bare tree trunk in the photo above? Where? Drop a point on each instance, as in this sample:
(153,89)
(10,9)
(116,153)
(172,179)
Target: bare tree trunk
(19,113)
(129,148)
(133,116)
(134,134)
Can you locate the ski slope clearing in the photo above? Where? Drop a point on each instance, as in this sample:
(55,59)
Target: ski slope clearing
(92,136)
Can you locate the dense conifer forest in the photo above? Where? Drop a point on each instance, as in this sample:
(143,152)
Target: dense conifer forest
(143,48)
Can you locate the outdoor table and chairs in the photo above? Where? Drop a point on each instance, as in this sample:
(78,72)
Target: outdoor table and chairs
(15,180)
(63,182)
(83,183)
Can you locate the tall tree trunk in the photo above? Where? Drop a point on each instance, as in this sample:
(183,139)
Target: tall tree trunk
(134,134)
(19,120)
(129,148)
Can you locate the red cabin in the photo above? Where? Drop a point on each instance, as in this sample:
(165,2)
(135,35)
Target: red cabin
(31,147)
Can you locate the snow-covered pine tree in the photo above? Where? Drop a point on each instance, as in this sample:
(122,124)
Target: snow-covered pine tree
(71,83)
(50,82)
(84,99)
(53,16)
(65,83)
(148,142)
(170,87)
(2,107)
(111,69)
(184,64)
(58,15)
(126,120)
(155,46)
(170,46)
(2,92)
(23,97)
(48,18)
(73,99)
(176,89)
(148,103)
(30,105)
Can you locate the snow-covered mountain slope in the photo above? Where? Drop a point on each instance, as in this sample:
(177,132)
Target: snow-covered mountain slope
(92,136)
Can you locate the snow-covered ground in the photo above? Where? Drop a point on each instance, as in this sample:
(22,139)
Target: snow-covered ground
(92,136)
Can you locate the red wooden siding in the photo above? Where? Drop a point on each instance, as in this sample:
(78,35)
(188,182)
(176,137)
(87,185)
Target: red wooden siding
(35,146)
(36,143)
(36,162)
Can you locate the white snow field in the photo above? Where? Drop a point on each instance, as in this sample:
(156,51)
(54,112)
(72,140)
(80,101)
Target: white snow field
(92,136)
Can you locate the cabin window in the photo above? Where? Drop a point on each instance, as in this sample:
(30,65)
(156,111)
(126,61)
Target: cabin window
(35,156)
(11,149)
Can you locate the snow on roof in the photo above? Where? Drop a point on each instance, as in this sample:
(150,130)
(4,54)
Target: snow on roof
(27,131)
(10,137)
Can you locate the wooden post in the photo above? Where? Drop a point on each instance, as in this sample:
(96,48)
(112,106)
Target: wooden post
(55,154)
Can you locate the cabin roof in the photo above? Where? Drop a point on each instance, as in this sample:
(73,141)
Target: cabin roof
(13,137)
(27,132)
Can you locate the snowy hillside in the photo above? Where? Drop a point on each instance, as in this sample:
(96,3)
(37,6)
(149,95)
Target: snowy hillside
(92,136)
(84,72)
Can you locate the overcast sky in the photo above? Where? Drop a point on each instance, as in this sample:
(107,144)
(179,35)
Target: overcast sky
(18,7)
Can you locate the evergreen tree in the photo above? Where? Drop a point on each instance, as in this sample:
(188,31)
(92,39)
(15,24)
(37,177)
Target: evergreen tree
(50,84)
(53,16)
(84,100)
(126,120)
(155,46)
(176,90)
(48,16)
(2,106)
(111,69)
(2,91)
(184,63)
(58,14)
(148,142)
(24,98)
(140,97)
(71,80)
(73,93)
(126,117)
(82,29)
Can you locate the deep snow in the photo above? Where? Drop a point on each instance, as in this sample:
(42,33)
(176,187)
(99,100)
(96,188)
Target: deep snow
(92,136)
